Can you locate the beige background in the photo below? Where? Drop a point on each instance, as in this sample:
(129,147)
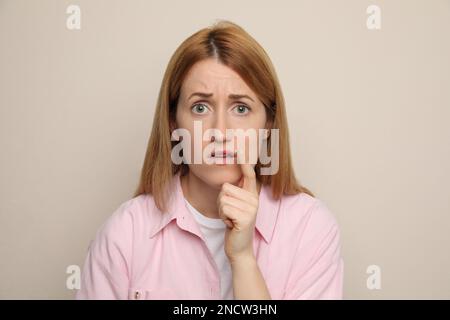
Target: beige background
(368,110)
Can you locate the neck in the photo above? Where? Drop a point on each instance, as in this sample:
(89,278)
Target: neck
(202,196)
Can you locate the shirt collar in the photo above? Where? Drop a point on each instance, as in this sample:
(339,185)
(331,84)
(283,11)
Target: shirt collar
(266,217)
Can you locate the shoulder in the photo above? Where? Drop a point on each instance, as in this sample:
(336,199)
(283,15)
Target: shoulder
(129,216)
(307,215)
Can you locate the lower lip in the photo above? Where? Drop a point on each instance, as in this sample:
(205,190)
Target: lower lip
(223,160)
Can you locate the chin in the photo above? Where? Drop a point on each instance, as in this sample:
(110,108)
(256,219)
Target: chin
(216,176)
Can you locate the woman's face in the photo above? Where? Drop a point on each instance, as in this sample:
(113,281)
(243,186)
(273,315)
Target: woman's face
(216,97)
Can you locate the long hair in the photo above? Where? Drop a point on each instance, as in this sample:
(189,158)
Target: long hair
(234,47)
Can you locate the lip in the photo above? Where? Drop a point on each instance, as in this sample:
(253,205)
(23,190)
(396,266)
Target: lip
(221,157)
(223,154)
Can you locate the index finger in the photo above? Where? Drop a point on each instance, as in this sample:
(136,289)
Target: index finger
(248,173)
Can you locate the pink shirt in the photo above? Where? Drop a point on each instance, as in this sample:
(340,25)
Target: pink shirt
(140,253)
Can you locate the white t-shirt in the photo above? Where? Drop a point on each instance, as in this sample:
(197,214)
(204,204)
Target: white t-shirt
(213,231)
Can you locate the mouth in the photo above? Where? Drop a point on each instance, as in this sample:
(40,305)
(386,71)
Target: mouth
(223,154)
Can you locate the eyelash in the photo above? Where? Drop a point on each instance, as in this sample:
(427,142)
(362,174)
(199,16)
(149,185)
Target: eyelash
(239,104)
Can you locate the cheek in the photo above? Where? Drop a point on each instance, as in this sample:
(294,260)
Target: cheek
(257,124)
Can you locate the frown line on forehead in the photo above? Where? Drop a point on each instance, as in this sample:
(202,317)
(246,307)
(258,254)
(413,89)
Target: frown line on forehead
(231,96)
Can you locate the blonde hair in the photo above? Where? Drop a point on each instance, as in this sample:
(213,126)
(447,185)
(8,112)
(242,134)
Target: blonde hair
(235,48)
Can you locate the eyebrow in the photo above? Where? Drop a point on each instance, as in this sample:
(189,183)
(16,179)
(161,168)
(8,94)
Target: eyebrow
(232,96)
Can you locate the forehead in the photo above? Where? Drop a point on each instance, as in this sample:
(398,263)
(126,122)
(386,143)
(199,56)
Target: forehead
(212,76)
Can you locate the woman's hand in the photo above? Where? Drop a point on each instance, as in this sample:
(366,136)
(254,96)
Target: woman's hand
(238,206)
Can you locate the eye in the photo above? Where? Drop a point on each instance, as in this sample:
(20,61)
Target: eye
(199,108)
(242,109)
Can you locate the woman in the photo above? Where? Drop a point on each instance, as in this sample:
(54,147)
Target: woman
(217,230)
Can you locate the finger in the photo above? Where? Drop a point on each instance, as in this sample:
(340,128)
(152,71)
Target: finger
(226,220)
(229,213)
(237,203)
(248,173)
(238,193)
(228,223)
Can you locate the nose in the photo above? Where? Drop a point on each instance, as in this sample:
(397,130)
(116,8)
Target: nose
(220,124)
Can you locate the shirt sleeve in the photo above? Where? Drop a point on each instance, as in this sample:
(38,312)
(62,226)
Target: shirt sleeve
(317,271)
(106,270)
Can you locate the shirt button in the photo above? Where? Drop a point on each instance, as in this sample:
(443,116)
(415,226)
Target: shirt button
(137,295)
